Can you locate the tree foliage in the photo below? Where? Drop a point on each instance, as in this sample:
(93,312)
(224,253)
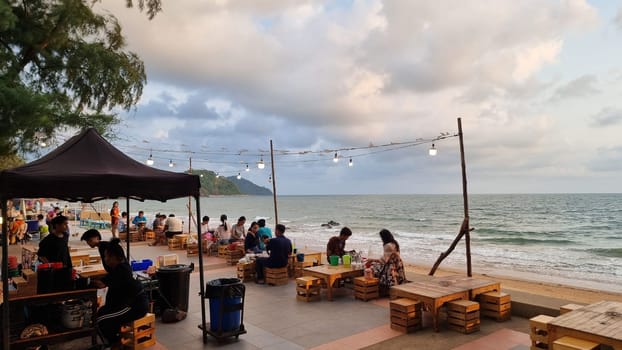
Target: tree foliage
(63,66)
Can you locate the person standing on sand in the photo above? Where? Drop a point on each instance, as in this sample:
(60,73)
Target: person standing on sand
(114,219)
(337,244)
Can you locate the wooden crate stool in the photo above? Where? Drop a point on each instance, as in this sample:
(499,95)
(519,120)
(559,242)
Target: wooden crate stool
(571,343)
(192,249)
(366,288)
(223,251)
(299,267)
(246,272)
(538,331)
(308,288)
(183,240)
(276,276)
(139,334)
(569,307)
(150,235)
(463,316)
(497,305)
(173,244)
(405,315)
(235,255)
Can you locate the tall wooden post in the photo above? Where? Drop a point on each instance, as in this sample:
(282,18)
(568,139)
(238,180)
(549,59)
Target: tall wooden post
(276,210)
(465,198)
(190,203)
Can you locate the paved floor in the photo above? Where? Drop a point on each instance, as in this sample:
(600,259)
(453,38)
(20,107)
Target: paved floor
(274,319)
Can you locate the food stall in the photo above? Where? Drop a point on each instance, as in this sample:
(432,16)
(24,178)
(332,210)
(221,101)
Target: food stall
(86,168)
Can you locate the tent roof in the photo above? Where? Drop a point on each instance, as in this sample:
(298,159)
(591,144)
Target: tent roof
(88,168)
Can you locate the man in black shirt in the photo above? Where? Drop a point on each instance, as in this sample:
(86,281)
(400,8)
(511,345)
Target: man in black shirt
(94,239)
(54,248)
(279,249)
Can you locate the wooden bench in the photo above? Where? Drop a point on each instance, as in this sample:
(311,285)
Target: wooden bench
(463,316)
(308,288)
(538,331)
(497,305)
(366,288)
(405,315)
(139,334)
(571,343)
(276,276)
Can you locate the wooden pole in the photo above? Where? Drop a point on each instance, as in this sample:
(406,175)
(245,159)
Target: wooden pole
(127,227)
(465,198)
(276,211)
(189,202)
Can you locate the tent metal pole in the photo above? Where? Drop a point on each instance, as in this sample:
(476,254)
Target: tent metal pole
(5,276)
(127,227)
(201,278)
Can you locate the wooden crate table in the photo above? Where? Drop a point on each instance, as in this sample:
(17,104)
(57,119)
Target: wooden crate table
(599,322)
(405,315)
(475,286)
(366,288)
(329,274)
(570,343)
(91,271)
(463,316)
(538,331)
(432,294)
(308,288)
(246,271)
(569,307)
(183,240)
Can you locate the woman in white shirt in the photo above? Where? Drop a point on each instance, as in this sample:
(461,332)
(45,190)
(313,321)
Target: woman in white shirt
(389,269)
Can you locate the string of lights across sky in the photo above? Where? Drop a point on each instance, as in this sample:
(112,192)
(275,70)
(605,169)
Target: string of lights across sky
(244,159)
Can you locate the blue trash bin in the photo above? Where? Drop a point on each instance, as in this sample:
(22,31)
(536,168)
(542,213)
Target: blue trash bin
(226,297)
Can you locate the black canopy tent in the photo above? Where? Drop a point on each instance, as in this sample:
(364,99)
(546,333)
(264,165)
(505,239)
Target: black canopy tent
(88,168)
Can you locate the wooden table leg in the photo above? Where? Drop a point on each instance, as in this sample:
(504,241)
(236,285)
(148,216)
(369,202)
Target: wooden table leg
(329,288)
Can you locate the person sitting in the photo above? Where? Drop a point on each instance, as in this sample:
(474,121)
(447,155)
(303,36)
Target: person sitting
(263,232)
(139,220)
(238,232)
(251,242)
(123,223)
(42,226)
(93,238)
(279,249)
(223,232)
(389,269)
(18,230)
(173,226)
(208,236)
(126,299)
(337,244)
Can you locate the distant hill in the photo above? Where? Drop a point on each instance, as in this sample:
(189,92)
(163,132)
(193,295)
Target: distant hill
(227,186)
(248,187)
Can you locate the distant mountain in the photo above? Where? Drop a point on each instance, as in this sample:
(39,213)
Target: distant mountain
(227,186)
(248,187)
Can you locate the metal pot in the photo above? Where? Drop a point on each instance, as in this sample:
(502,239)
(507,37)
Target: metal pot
(72,314)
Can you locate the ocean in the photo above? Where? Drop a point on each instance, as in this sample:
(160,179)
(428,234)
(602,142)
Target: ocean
(573,239)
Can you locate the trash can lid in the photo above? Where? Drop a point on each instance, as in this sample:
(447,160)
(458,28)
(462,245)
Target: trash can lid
(173,268)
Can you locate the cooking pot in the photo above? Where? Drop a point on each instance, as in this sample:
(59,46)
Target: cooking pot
(72,314)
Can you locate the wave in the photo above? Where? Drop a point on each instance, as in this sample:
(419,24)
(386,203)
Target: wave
(608,252)
(526,241)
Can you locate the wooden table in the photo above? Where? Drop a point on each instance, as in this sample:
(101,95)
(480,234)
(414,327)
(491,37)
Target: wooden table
(431,293)
(330,274)
(600,322)
(92,271)
(474,285)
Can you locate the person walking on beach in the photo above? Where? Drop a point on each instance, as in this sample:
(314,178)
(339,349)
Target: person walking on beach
(279,249)
(238,232)
(337,244)
(389,269)
(114,219)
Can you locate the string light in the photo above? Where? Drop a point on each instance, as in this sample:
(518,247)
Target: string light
(201,175)
(239,176)
(171,164)
(247,168)
(335,158)
(261,164)
(150,159)
(350,164)
(270,179)
(432,151)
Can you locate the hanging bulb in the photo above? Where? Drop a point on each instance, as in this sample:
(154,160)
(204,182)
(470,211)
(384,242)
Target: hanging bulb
(217,175)
(270,179)
(171,164)
(42,144)
(201,175)
(335,158)
(261,164)
(239,176)
(350,163)
(150,159)
(247,168)
(433,150)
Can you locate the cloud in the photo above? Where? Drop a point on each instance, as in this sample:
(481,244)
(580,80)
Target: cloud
(607,117)
(581,87)
(607,160)
(618,18)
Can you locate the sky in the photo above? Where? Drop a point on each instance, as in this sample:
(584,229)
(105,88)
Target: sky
(536,84)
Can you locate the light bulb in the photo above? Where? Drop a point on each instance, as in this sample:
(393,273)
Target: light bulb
(335,158)
(42,144)
(270,179)
(433,150)
(247,168)
(150,159)
(201,175)
(171,164)
(239,176)
(261,164)
(350,162)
